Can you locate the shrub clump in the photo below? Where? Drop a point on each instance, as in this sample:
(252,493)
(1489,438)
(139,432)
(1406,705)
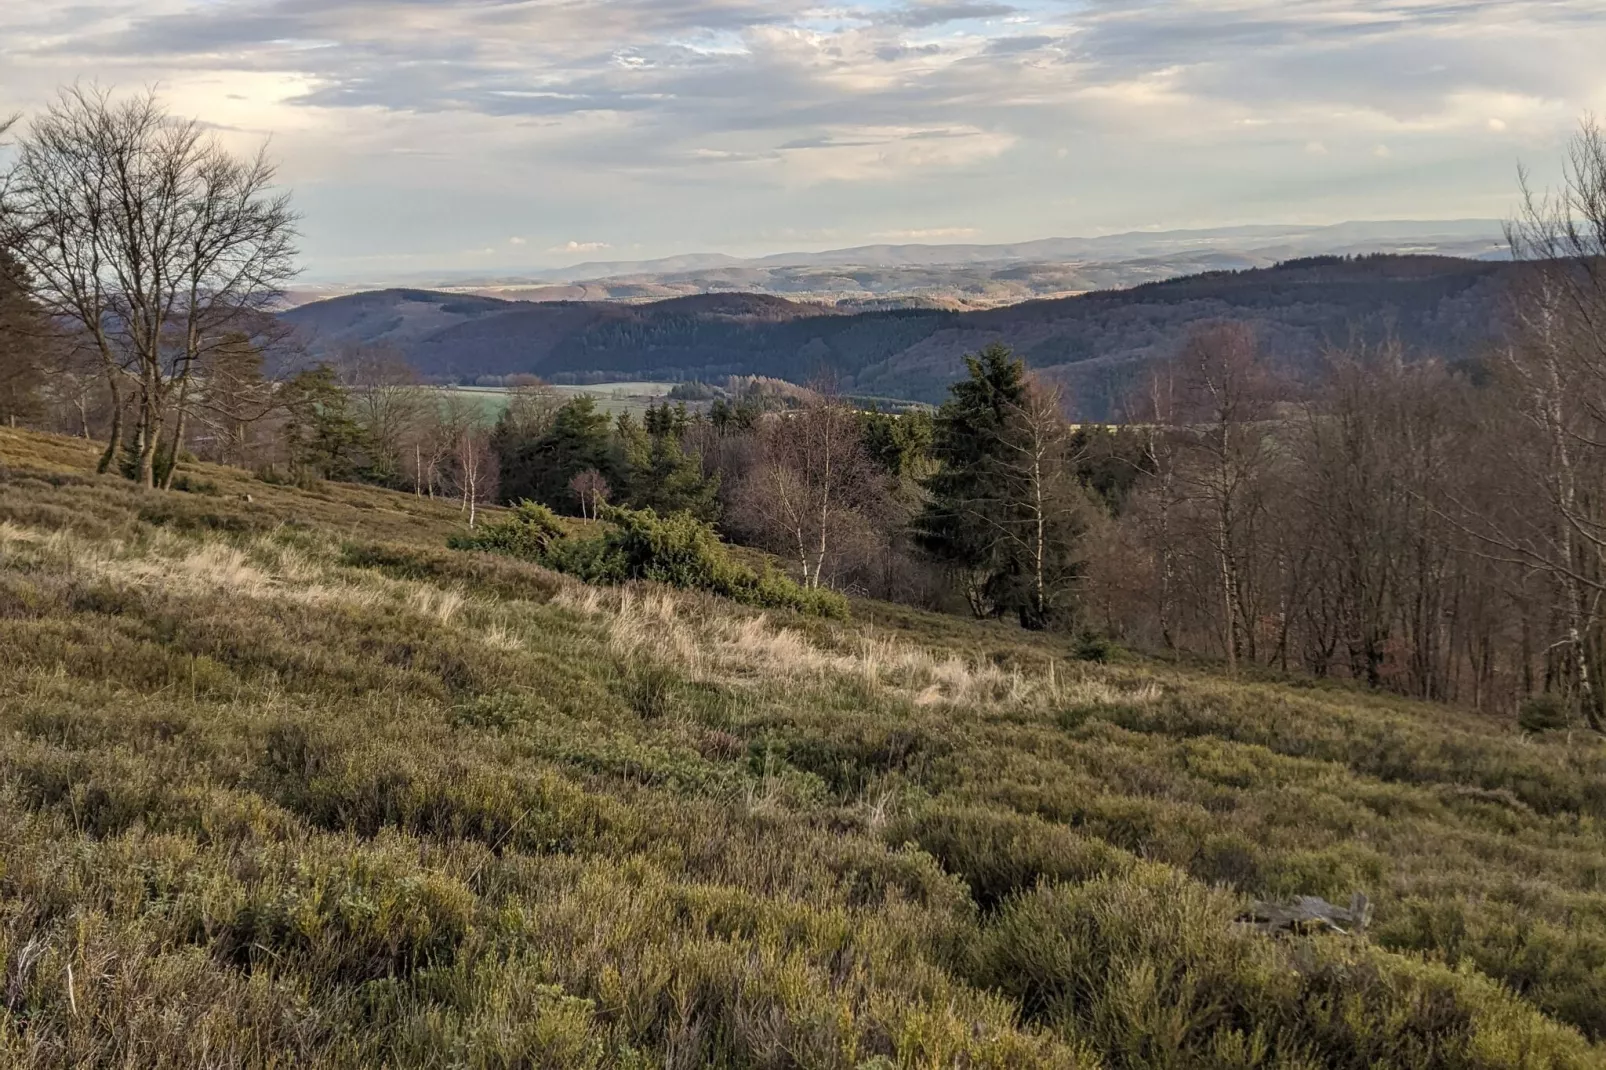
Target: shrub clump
(529,532)
(1149,967)
(1543,713)
(678,550)
(349,921)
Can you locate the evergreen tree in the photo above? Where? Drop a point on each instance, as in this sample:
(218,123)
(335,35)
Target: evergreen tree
(324,439)
(899,442)
(24,336)
(543,469)
(1005,512)
(632,448)
(673,482)
(733,419)
(663,421)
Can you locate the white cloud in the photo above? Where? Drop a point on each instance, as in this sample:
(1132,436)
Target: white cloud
(580,247)
(714,123)
(926,234)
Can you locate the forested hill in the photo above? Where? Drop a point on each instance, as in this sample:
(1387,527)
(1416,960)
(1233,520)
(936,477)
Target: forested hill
(1096,342)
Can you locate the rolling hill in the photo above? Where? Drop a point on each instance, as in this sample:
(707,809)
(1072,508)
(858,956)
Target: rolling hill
(965,276)
(1095,342)
(287,782)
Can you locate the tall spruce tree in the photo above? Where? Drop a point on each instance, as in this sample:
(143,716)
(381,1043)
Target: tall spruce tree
(323,437)
(660,473)
(632,456)
(1005,512)
(673,482)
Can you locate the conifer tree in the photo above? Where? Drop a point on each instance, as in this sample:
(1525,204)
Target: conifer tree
(325,440)
(24,337)
(673,482)
(543,468)
(1005,512)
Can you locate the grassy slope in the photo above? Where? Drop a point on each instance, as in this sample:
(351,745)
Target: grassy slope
(286,783)
(612,398)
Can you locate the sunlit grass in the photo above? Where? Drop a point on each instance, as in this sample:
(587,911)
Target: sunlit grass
(286,782)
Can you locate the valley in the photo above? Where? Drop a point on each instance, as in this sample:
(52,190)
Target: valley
(1097,344)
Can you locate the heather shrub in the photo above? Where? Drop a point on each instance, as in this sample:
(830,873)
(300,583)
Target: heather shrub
(678,550)
(528,532)
(338,796)
(1543,713)
(1154,971)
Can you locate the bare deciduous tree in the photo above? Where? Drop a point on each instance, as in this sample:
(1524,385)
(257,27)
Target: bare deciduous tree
(389,402)
(151,237)
(592,490)
(1555,373)
(234,397)
(1227,398)
(811,489)
(475,470)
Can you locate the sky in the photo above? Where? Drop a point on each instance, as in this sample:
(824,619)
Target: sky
(467,135)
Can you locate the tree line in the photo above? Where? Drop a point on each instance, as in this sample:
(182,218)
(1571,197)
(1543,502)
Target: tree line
(1430,528)
(1436,530)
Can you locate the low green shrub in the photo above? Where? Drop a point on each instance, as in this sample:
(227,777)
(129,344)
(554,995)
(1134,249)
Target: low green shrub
(678,550)
(649,688)
(999,854)
(350,921)
(1543,713)
(529,532)
(195,485)
(1152,969)
(1091,646)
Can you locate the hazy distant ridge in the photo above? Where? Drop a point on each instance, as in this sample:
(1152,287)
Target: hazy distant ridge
(1296,240)
(1096,343)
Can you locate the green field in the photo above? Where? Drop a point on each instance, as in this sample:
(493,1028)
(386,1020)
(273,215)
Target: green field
(287,783)
(612,398)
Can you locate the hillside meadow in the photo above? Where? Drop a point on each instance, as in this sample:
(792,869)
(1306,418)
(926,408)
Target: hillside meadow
(286,782)
(611,398)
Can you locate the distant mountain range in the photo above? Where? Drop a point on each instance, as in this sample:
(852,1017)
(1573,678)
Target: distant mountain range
(1097,343)
(873,277)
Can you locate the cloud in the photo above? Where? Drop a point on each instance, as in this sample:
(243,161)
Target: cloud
(919,16)
(580,247)
(926,234)
(716,122)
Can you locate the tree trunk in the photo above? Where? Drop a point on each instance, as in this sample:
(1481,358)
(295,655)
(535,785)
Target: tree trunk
(171,468)
(150,430)
(1228,597)
(114,438)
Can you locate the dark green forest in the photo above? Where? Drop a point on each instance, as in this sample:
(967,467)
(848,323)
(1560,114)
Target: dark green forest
(1096,343)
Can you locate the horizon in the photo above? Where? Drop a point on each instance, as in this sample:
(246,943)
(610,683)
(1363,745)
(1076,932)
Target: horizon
(459,136)
(534,272)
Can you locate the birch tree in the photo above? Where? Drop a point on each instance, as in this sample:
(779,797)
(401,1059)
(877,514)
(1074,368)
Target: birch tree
(812,492)
(1226,402)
